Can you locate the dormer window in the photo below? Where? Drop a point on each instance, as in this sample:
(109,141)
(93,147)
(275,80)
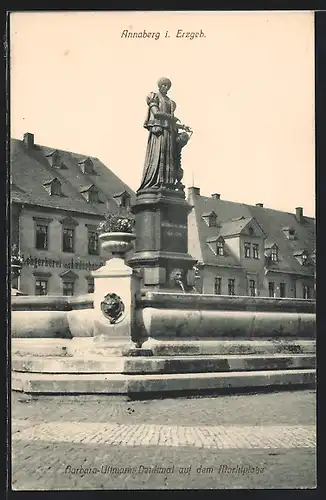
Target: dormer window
(53,187)
(54,159)
(122,199)
(274,253)
(220,247)
(87,166)
(91,194)
(301,256)
(289,233)
(271,252)
(210,219)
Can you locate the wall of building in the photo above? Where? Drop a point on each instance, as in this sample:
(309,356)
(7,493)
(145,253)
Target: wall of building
(209,273)
(51,263)
(293,285)
(14,224)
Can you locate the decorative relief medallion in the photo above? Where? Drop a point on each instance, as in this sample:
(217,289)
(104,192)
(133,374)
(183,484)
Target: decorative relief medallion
(112,307)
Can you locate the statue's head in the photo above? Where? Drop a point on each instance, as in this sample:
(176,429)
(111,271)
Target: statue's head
(164,85)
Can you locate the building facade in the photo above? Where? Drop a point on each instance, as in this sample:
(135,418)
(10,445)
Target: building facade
(251,250)
(58,199)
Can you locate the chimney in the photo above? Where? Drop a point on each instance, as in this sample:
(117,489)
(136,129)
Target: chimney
(217,196)
(29,140)
(299,214)
(195,191)
(259,205)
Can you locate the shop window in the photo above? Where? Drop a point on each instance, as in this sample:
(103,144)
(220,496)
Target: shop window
(41,287)
(68,287)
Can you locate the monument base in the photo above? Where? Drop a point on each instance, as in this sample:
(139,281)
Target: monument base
(161,255)
(174,368)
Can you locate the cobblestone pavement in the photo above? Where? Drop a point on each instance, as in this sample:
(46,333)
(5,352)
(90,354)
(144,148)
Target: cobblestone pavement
(248,441)
(242,437)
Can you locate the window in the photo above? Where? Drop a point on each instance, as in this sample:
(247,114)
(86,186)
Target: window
(282,289)
(93,247)
(41,231)
(252,288)
(41,287)
(306,292)
(90,193)
(122,199)
(271,289)
(220,247)
(231,286)
(68,237)
(93,196)
(251,230)
(217,286)
(87,166)
(255,250)
(274,254)
(68,287)
(304,258)
(294,290)
(90,285)
(125,201)
(55,188)
(247,249)
(54,158)
(212,220)
(289,233)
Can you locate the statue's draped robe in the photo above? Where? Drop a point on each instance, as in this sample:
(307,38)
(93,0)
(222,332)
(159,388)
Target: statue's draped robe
(160,161)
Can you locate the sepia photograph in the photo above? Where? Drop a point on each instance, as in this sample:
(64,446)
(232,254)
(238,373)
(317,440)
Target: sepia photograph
(162,250)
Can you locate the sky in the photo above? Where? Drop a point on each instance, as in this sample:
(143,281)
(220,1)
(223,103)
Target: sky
(246,88)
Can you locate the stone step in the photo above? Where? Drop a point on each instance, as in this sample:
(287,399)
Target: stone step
(86,346)
(155,364)
(158,384)
(227,347)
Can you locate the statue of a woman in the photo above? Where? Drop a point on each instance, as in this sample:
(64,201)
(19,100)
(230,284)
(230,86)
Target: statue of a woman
(163,156)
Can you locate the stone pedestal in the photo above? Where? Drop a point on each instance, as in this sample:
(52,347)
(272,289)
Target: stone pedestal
(115,289)
(162,239)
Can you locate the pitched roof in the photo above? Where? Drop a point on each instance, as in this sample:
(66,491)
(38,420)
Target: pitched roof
(271,221)
(30,170)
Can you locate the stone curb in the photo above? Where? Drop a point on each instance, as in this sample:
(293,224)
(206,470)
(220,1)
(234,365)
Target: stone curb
(175,364)
(129,384)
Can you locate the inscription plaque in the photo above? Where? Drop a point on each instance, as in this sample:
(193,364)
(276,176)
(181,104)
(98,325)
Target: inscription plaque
(174,238)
